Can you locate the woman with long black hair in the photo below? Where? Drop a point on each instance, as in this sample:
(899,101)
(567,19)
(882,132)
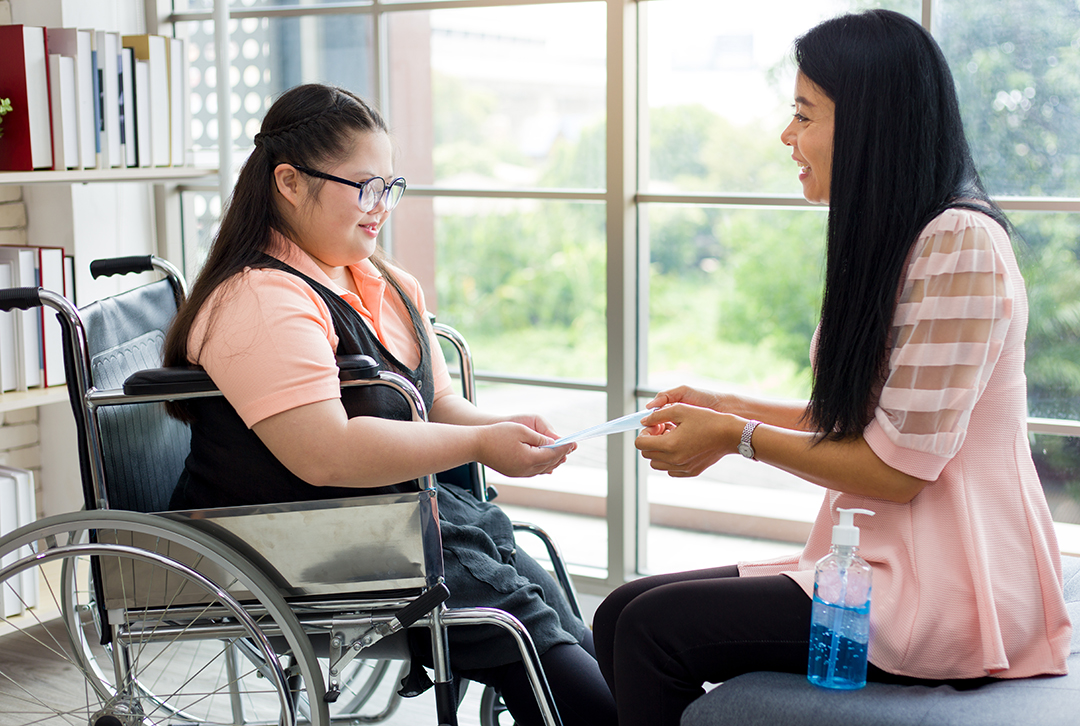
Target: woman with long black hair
(917,412)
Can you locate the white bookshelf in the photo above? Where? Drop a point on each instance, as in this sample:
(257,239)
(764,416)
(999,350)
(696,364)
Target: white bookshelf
(175,174)
(16,400)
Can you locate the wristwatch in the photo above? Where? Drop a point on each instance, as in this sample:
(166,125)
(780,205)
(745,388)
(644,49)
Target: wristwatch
(745,448)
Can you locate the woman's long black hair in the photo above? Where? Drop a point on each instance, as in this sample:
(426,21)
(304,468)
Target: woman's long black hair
(899,159)
(311,125)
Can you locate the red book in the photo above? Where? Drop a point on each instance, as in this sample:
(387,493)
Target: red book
(24,78)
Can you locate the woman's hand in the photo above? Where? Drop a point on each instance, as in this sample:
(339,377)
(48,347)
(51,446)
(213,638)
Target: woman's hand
(689,395)
(514,449)
(685,440)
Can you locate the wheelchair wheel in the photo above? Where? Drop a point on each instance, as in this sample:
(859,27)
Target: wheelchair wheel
(127,632)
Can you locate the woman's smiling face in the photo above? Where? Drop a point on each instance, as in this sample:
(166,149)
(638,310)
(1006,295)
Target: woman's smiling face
(810,135)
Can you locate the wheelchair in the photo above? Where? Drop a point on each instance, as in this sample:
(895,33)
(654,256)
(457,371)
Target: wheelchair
(286,614)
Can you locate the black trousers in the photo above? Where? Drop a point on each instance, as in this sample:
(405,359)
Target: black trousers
(581,696)
(660,638)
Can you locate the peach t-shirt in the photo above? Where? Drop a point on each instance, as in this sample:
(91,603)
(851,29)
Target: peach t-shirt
(271,342)
(967,576)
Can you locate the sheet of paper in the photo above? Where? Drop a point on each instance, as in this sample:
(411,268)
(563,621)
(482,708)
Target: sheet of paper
(629,422)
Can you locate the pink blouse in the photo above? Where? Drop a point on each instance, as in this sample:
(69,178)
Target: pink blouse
(967,576)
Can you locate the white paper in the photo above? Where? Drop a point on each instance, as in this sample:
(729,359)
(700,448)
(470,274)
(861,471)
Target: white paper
(629,422)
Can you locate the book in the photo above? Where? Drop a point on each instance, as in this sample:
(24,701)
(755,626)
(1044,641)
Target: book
(50,275)
(143,125)
(62,98)
(95,92)
(178,99)
(127,106)
(10,602)
(69,278)
(77,45)
(24,78)
(27,322)
(153,50)
(25,513)
(8,362)
(107,44)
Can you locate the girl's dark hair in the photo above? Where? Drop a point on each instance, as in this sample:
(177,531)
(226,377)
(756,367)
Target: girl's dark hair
(899,159)
(310,125)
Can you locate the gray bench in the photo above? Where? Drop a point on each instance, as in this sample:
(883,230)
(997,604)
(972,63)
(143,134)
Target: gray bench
(774,699)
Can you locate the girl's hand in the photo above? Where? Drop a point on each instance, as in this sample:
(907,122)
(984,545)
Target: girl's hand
(534,422)
(513,449)
(685,440)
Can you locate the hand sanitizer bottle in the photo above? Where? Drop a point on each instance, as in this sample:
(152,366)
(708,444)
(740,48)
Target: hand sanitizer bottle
(840,623)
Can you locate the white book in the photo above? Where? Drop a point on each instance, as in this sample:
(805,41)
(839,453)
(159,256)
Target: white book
(26,513)
(27,322)
(8,362)
(143,127)
(78,45)
(62,92)
(10,602)
(50,275)
(108,55)
(127,105)
(153,49)
(178,98)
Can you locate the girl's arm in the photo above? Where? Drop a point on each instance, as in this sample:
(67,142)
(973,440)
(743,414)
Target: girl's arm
(320,444)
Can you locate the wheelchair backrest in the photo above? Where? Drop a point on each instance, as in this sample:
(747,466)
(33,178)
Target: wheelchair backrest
(142,447)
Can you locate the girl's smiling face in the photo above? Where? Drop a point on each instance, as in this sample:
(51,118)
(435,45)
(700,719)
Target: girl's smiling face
(330,227)
(810,135)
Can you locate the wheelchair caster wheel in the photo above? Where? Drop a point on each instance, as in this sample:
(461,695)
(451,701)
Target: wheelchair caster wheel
(493,711)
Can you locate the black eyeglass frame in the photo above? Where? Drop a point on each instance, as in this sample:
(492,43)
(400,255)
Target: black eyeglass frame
(391,202)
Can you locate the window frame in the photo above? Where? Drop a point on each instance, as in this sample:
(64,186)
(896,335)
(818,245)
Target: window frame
(626,229)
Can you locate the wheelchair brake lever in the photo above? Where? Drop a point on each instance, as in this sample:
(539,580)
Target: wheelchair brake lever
(405,617)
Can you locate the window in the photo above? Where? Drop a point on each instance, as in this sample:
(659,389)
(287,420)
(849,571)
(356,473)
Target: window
(599,198)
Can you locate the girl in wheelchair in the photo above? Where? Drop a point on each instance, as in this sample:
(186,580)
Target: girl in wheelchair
(294,278)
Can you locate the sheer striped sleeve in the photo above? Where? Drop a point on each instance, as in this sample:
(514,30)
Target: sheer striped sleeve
(953,312)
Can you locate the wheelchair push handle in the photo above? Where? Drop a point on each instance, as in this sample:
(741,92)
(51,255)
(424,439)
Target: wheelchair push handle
(20,298)
(121,265)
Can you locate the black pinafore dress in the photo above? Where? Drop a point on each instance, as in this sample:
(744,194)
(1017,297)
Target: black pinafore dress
(229,466)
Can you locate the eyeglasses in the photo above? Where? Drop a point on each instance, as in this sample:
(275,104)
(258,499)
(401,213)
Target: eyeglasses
(372,191)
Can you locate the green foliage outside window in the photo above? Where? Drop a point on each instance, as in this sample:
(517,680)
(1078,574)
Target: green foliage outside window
(727,285)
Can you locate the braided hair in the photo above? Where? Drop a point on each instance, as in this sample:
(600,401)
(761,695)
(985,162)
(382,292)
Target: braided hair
(309,125)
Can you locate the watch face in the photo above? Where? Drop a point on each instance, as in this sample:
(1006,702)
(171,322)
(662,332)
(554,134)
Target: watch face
(746,450)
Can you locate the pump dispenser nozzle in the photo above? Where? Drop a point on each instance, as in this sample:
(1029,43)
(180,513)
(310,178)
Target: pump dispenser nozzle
(846,534)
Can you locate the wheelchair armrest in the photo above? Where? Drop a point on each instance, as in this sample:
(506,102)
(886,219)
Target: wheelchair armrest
(357,367)
(167,381)
(193,379)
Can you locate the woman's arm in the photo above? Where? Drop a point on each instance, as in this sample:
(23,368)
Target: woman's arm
(788,414)
(320,444)
(699,437)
